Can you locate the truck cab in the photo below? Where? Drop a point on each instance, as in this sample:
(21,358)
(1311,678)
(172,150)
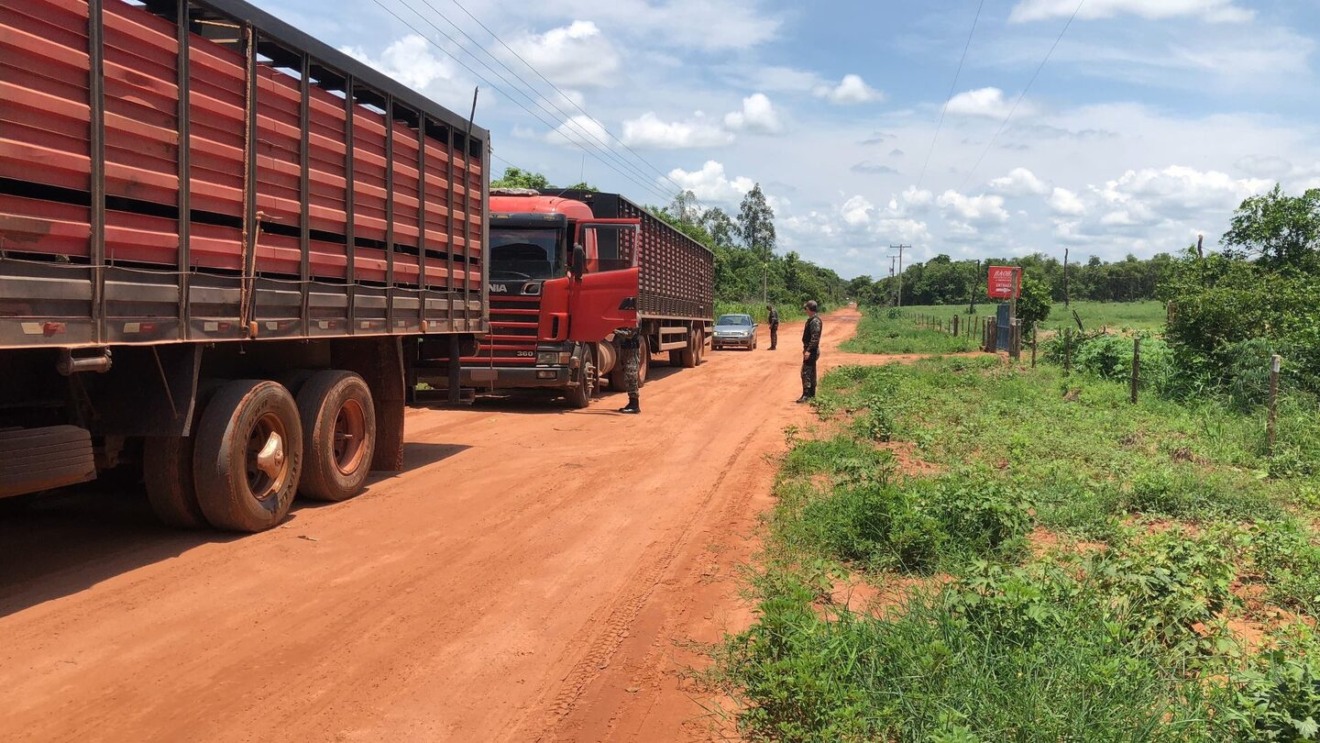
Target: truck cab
(560,283)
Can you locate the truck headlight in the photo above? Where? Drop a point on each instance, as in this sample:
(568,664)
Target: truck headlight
(547,358)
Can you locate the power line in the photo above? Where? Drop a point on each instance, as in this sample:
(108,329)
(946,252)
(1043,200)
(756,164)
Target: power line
(952,86)
(532,113)
(1004,124)
(565,95)
(558,111)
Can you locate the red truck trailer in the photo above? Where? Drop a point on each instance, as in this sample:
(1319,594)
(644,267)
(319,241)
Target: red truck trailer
(224,249)
(567,268)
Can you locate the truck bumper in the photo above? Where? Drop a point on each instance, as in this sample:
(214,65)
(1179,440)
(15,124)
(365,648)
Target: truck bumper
(517,377)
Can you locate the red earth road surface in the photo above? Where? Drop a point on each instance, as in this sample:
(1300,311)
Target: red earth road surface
(537,573)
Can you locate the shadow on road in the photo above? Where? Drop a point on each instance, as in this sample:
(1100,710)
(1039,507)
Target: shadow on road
(59,543)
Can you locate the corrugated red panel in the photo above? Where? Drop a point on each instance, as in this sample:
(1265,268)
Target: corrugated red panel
(141,101)
(369,173)
(47,227)
(43,83)
(326,151)
(44,138)
(216,108)
(279,141)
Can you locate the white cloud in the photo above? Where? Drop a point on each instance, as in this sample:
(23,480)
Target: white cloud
(1176,192)
(1020,182)
(852,89)
(580,130)
(986,208)
(757,115)
(1065,202)
(648,130)
(1213,11)
(577,54)
(983,102)
(409,60)
(710,183)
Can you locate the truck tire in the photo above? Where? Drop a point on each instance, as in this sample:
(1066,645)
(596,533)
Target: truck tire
(676,357)
(688,356)
(247,456)
(36,459)
(167,469)
(338,422)
(617,381)
(579,395)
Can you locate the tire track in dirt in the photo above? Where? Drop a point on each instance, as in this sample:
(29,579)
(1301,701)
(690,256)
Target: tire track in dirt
(624,613)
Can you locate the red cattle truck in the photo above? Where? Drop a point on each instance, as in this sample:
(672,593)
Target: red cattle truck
(224,248)
(567,268)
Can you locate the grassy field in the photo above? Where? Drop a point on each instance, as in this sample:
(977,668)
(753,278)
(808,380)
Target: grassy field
(1116,316)
(1038,561)
(897,332)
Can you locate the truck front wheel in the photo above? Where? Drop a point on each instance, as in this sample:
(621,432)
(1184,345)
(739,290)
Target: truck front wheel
(580,394)
(248,456)
(339,435)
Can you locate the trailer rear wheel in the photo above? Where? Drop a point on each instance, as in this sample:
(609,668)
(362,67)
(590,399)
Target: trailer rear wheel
(248,456)
(167,469)
(688,356)
(580,394)
(339,435)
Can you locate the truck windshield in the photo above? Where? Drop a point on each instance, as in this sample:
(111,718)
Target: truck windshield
(524,253)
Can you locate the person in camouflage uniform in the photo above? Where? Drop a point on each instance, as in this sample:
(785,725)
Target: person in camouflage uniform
(773,321)
(629,341)
(810,351)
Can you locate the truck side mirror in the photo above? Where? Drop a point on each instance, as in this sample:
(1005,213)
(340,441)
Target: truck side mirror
(579,264)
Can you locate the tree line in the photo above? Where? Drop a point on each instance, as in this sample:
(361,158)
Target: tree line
(942,280)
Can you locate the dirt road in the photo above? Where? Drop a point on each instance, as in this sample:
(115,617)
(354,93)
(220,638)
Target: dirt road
(535,574)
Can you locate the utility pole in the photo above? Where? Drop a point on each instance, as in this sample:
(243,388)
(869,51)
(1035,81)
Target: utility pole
(1065,277)
(976,284)
(892,258)
(900,248)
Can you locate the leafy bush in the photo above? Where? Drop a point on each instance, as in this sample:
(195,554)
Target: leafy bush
(1277,697)
(918,526)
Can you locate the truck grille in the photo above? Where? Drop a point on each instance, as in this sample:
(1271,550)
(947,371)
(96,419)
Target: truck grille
(514,322)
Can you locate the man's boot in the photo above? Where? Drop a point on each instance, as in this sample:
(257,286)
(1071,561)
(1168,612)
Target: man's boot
(632,406)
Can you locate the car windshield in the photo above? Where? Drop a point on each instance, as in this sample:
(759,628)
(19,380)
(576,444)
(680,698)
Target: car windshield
(734,320)
(524,253)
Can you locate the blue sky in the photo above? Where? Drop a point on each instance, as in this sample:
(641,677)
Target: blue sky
(1149,124)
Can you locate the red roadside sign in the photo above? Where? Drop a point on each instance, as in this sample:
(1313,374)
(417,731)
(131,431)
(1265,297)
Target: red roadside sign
(1004,282)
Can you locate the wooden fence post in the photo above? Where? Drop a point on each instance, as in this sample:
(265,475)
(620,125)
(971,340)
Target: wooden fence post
(1033,345)
(1136,368)
(955,326)
(1271,424)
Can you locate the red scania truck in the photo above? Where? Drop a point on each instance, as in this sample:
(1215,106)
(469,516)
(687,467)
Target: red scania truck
(567,268)
(224,249)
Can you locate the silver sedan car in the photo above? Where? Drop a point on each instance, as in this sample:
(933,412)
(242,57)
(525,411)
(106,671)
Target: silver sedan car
(734,331)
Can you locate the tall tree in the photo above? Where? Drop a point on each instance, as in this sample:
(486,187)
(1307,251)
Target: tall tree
(756,224)
(720,226)
(1283,230)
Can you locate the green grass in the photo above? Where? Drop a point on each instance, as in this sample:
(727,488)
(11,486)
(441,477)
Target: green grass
(1125,641)
(878,332)
(1115,316)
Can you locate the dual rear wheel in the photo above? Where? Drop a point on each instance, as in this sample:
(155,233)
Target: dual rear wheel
(255,445)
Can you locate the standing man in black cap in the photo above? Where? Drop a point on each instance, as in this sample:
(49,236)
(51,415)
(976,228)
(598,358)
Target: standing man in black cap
(773,321)
(810,351)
